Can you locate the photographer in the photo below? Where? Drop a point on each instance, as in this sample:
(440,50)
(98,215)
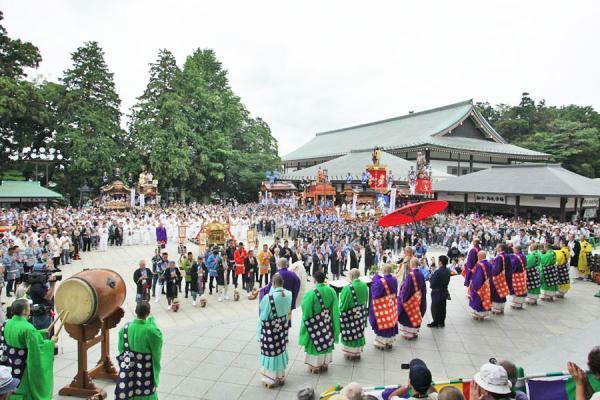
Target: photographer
(41,293)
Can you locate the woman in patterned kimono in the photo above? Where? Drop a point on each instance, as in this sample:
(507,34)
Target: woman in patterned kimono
(320,324)
(140,349)
(519,278)
(563,256)
(273,330)
(354,300)
(412,302)
(533,274)
(548,274)
(480,299)
(383,315)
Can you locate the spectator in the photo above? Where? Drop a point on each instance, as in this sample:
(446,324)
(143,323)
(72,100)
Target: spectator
(451,393)
(491,382)
(8,384)
(419,380)
(352,391)
(511,370)
(306,393)
(583,388)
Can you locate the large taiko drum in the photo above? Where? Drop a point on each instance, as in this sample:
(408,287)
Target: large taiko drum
(90,294)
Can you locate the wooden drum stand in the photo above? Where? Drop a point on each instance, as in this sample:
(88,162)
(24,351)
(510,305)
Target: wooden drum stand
(82,385)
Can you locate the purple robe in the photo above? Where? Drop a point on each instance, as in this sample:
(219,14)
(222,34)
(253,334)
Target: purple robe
(497,270)
(378,290)
(161,234)
(407,290)
(515,268)
(470,263)
(478,278)
(291,282)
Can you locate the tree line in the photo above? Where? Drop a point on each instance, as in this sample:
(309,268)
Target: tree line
(569,134)
(188,127)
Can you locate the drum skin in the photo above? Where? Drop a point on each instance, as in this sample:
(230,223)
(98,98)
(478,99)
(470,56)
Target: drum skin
(90,294)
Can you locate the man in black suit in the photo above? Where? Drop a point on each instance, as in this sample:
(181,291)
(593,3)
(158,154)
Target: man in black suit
(354,257)
(439,282)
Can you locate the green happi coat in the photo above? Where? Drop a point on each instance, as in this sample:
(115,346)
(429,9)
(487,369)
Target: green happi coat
(37,380)
(310,307)
(347,302)
(533,261)
(144,337)
(547,258)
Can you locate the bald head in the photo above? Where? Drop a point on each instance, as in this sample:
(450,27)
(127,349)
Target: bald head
(352,391)
(450,393)
(282,263)
(354,274)
(481,255)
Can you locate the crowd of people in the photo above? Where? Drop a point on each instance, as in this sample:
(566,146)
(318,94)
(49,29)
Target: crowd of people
(502,260)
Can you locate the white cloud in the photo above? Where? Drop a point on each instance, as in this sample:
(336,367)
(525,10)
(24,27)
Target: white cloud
(308,66)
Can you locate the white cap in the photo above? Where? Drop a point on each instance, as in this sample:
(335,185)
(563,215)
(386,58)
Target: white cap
(493,378)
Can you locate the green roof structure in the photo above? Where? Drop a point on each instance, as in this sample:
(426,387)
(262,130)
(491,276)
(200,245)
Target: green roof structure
(17,190)
(355,163)
(431,128)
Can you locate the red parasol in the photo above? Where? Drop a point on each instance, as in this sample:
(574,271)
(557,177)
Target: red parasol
(413,212)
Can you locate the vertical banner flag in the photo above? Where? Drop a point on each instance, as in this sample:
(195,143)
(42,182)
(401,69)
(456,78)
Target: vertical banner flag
(132,198)
(354,200)
(392,200)
(142,200)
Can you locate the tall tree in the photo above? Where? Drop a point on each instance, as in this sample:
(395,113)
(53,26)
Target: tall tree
(89,135)
(26,119)
(158,128)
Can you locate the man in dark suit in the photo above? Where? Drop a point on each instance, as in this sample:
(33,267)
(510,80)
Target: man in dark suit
(354,257)
(439,282)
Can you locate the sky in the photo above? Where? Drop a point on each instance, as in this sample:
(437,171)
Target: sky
(310,66)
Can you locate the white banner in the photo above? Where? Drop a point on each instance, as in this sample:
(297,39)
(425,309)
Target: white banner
(132,198)
(354,200)
(142,200)
(392,200)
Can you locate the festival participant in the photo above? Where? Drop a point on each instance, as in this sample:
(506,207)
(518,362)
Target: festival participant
(354,305)
(383,308)
(471,261)
(519,278)
(216,272)
(239,256)
(263,265)
(439,293)
(272,334)
(29,353)
(533,274)
(585,251)
(548,274)
(404,267)
(185,264)
(291,282)
(140,350)
(161,235)
(320,325)
(563,256)
(250,269)
(479,289)
(499,279)
(412,302)
(198,275)
(142,277)
(171,276)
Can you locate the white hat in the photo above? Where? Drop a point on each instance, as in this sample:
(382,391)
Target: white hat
(493,378)
(8,384)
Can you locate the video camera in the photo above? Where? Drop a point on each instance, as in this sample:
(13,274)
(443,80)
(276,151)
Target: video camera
(43,276)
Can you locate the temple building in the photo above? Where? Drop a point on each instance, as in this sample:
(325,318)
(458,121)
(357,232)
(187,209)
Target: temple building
(455,139)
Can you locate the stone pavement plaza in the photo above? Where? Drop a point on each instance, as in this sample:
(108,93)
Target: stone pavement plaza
(212,352)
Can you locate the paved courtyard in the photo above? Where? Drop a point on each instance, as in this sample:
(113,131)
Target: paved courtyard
(212,352)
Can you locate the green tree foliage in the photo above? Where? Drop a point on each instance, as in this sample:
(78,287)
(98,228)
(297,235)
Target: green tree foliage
(27,115)
(158,128)
(89,134)
(570,134)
